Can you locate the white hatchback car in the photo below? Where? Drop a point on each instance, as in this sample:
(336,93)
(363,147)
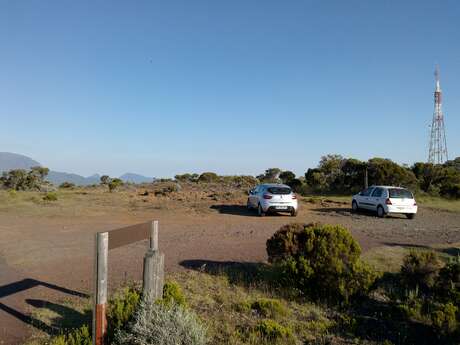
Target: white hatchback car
(272,197)
(384,200)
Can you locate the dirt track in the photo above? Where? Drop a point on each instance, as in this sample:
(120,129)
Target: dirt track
(49,258)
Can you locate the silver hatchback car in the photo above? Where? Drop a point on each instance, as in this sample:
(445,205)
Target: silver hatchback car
(272,197)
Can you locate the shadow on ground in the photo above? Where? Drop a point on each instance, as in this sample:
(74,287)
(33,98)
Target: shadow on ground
(345,211)
(240,210)
(240,273)
(62,312)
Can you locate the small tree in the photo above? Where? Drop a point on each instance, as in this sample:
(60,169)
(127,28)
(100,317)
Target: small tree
(287,176)
(114,184)
(105,179)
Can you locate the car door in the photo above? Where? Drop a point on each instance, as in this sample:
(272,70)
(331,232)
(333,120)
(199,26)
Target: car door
(253,197)
(364,198)
(376,198)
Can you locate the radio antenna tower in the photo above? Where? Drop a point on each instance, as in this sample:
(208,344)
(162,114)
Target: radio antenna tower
(438,143)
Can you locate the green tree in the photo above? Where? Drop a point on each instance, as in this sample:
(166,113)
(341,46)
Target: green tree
(114,184)
(287,176)
(105,179)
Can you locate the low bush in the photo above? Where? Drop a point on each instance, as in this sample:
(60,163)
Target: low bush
(155,323)
(172,294)
(322,261)
(267,307)
(444,319)
(420,270)
(273,332)
(207,177)
(79,336)
(50,196)
(67,185)
(448,283)
(121,308)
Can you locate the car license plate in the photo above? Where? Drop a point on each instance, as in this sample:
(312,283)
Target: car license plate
(281,207)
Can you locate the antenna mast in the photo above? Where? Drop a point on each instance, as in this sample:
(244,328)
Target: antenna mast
(438,143)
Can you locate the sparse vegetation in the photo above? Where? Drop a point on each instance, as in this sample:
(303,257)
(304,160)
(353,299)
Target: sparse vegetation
(50,196)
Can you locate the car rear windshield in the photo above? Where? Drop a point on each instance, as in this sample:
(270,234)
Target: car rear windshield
(279,190)
(398,193)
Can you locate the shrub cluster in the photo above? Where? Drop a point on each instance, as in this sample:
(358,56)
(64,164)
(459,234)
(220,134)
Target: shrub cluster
(431,291)
(322,261)
(156,323)
(20,179)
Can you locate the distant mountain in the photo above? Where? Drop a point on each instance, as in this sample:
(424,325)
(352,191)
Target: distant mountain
(56,177)
(10,161)
(135,178)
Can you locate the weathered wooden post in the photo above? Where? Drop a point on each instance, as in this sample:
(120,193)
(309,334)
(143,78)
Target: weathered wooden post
(100,281)
(153,275)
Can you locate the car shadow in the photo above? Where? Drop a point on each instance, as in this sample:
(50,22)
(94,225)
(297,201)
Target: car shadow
(346,211)
(240,210)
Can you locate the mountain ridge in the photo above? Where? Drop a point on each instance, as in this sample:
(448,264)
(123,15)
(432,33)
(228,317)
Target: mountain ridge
(10,161)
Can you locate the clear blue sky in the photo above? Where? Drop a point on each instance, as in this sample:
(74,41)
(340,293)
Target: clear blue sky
(234,87)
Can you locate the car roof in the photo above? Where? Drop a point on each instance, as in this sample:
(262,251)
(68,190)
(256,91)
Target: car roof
(393,187)
(274,185)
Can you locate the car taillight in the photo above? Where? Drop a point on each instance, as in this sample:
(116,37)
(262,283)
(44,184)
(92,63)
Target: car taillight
(294,196)
(388,201)
(415,203)
(267,196)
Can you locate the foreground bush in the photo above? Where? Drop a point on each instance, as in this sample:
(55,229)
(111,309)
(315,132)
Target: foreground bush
(155,323)
(172,294)
(322,261)
(420,270)
(79,336)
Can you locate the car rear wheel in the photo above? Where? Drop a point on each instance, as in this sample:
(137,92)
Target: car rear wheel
(293,213)
(380,212)
(410,215)
(260,211)
(354,206)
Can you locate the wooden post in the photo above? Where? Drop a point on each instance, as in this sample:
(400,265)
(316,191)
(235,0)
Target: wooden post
(153,275)
(100,288)
(154,235)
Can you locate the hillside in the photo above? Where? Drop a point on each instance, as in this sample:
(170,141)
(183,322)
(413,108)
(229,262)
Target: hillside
(10,161)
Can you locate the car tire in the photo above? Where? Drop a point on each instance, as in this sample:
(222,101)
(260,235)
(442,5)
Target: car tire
(354,207)
(380,212)
(293,213)
(410,215)
(260,211)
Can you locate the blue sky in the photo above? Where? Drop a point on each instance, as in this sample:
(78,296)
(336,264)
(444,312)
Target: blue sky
(235,87)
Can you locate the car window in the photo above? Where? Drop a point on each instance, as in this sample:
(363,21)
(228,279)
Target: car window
(377,193)
(279,190)
(400,193)
(367,191)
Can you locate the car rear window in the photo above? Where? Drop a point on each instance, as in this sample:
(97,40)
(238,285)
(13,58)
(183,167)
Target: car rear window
(279,190)
(398,193)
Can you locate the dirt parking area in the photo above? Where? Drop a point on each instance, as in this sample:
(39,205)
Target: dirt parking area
(46,249)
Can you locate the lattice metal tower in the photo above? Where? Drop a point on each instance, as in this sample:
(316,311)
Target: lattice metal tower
(438,143)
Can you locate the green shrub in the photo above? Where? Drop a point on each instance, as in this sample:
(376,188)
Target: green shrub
(450,190)
(67,185)
(272,331)
(155,323)
(114,184)
(444,319)
(172,294)
(50,196)
(208,177)
(322,261)
(448,282)
(267,307)
(79,336)
(420,270)
(121,308)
